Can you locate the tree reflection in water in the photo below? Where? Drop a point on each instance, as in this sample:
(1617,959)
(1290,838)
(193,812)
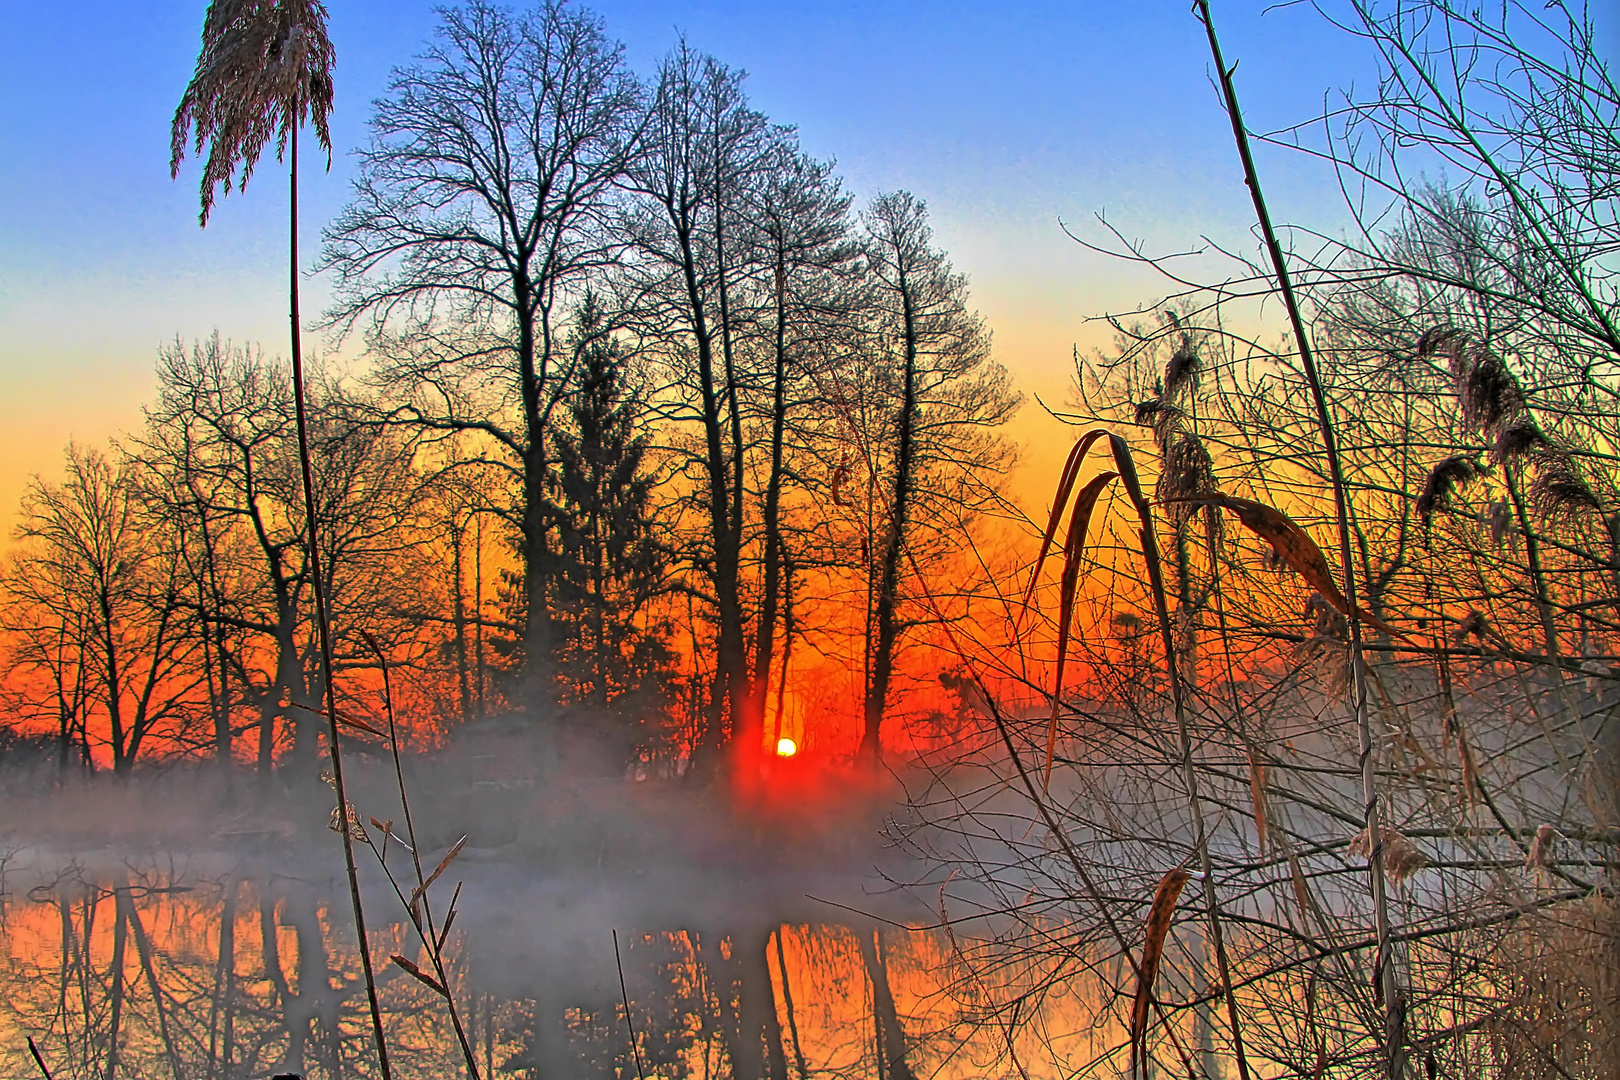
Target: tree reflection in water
(142,974)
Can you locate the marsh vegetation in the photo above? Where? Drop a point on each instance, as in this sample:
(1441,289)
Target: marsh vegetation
(1281,743)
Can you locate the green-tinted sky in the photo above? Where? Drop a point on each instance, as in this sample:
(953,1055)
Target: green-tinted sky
(1003,120)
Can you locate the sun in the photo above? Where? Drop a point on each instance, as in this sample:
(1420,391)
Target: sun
(786,748)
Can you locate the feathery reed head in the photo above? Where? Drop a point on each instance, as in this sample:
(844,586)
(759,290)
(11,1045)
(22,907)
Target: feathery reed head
(1558,489)
(1187,473)
(1445,479)
(1402,858)
(1517,441)
(1486,388)
(1435,340)
(1161,416)
(1182,370)
(265,67)
(1471,625)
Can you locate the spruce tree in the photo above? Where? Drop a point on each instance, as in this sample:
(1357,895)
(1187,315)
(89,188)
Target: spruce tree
(607,561)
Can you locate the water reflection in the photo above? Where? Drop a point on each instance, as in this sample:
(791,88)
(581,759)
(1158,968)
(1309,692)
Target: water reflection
(139,973)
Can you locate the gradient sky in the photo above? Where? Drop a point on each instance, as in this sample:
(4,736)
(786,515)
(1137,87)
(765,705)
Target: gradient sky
(1003,121)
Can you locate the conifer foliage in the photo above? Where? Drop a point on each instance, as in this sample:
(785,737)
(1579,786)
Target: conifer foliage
(607,560)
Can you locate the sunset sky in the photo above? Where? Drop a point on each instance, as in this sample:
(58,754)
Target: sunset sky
(1004,123)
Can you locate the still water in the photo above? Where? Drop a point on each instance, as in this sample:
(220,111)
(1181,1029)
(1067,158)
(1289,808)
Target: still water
(224,965)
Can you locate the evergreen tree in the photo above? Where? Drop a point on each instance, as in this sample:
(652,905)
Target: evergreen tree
(607,561)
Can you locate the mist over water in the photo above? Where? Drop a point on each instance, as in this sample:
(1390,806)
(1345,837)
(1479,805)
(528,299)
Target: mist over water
(172,925)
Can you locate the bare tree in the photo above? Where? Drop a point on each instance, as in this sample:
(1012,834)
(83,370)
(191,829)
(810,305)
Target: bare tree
(98,580)
(811,268)
(220,450)
(945,392)
(477,216)
(703,145)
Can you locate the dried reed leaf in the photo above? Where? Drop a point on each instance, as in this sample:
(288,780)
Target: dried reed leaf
(421,976)
(840,477)
(449,919)
(1073,557)
(1257,796)
(1060,500)
(1541,848)
(1158,928)
(1296,872)
(1470,771)
(449,857)
(387,829)
(1295,547)
(343,719)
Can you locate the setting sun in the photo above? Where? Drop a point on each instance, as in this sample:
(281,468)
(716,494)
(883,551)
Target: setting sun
(786,748)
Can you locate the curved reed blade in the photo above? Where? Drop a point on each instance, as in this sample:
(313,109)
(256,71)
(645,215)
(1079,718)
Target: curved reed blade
(1060,499)
(1074,549)
(1158,928)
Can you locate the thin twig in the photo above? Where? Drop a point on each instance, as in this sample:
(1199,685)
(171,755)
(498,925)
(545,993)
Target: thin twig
(38,1059)
(635,1047)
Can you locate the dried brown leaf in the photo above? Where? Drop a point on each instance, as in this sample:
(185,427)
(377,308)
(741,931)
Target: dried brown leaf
(1073,558)
(1257,796)
(1541,848)
(449,856)
(1401,857)
(1158,928)
(421,976)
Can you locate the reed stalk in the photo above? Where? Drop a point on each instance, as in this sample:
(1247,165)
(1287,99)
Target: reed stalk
(1385,985)
(323,627)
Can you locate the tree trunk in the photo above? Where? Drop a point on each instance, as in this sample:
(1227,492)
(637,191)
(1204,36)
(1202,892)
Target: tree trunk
(538,665)
(729,647)
(772,571)
(464,698)
(892,1036)
(877,691)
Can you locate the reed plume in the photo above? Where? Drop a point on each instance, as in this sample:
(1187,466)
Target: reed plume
(1559,490)
(1162,417)
(265,68)
(1182,371)
(1444,480)
(1486,388)
(1519,441)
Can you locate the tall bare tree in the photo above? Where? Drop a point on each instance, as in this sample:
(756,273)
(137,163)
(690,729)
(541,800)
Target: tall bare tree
(703,148)
(477,217)
(946,392)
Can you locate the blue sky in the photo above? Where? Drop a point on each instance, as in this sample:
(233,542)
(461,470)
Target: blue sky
(1004,118)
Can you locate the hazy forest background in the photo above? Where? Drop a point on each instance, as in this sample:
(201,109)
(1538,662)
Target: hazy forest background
(1281,742)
